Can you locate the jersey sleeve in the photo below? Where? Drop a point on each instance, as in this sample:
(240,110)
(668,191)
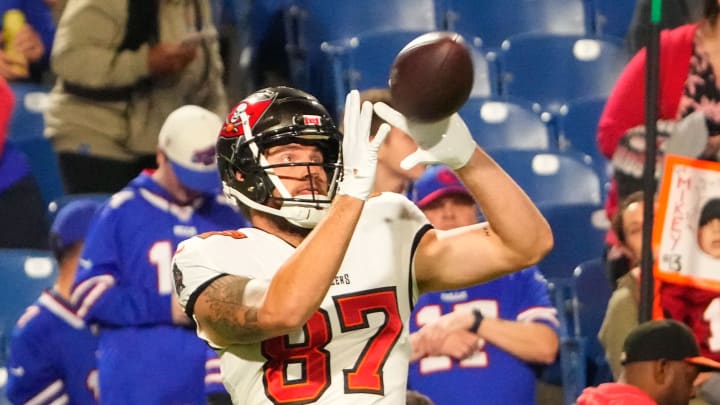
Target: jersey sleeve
(193,271)
(31,375)
(535,305)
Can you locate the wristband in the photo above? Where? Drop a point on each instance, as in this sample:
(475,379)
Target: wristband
(478,320)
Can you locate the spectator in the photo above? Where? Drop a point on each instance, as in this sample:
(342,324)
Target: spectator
(661,360)
(688,106)
(516,325)
(122,67)
(621,315)
(148,353)
(390,176)
(52,351)
(31,45)
(328,278)
(23,222)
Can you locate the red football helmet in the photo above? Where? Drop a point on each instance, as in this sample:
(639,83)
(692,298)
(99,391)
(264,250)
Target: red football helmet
(270,117)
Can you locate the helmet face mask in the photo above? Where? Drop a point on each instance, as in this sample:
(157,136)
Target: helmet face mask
(273,117)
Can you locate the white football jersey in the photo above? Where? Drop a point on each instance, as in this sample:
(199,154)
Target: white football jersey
(355,348)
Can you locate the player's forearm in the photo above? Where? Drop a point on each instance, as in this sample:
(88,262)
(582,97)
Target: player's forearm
(510,212)
(529,341)
(300,285)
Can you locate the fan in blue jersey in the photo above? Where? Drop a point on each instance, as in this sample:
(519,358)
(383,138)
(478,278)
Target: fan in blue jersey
(515,325)
(148,352)
(52,352)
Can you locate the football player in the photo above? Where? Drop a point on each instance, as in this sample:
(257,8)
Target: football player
(308,306)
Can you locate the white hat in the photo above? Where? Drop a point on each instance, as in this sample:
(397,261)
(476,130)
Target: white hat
(188,138)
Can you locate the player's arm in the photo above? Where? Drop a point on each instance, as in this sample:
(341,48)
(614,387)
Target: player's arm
(234,309)
(515,236)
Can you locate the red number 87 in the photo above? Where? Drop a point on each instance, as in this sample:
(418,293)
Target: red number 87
(365,376)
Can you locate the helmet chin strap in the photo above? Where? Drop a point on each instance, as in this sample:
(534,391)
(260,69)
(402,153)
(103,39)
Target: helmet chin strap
(297,213)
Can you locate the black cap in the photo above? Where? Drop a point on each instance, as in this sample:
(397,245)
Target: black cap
(710,211)
(665,339)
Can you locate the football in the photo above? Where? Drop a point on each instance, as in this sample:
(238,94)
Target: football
(431,77)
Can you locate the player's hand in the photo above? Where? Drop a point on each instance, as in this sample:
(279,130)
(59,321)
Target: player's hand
(446,141)
(359,154)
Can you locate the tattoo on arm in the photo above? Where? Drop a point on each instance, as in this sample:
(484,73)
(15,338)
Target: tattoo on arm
(228,316)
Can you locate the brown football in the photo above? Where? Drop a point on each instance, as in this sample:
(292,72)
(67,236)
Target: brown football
(432,76)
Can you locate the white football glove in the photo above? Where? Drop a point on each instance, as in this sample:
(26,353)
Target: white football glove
(359,154)
(446,141)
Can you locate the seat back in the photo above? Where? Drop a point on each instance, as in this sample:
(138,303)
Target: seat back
(578,123)
(593,293)
(24,274)
(309,23)
(364,61)
(579,233)
(502,123)
(613,17)
(495,20)
(555,69)
(551,177)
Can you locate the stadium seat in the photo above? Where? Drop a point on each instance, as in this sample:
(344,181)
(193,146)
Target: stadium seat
(506,124)
(593,293)
(363,61)
(43,164)
(612,17)
(556,69)
(579,231)
(551,177)
(31,100)
(24,274)
(578,124)
(309,23)
(495,20)
(62,201)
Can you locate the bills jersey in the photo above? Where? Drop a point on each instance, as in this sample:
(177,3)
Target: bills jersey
(354,349)
(52,356)
(491,375)
(124,284)
(699,309)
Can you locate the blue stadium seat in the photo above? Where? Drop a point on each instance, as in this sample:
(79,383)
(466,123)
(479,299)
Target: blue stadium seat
(495,20)
(579,231)
(30,102)
(578,124)
(556,69)
(43,164)
(506,123)
(551,177)
(593,293)
(309,23)
(24,274)
(363,61)
(612,17)
(55,205)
